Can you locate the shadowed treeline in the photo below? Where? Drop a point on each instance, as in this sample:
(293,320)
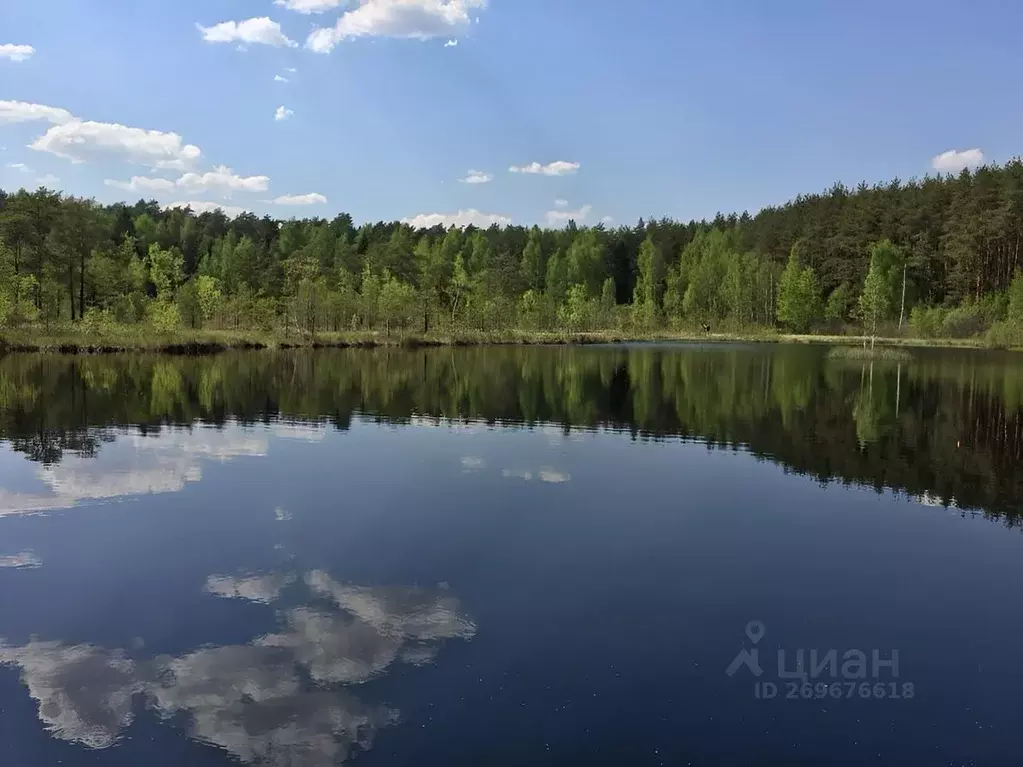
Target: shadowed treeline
(947,427)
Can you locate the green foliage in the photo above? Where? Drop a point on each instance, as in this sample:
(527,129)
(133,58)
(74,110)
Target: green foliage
(165,270)
(839,304)
(799,297)
(579,311)
(927,322)
(963,322)
(207,290)
(532,266)
(187,300)
(649,289)
(163,316)
(397,303)
(955,239)
(1015,301)
(876,299)
(586,262)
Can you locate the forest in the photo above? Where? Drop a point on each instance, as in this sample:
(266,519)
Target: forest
(937,257)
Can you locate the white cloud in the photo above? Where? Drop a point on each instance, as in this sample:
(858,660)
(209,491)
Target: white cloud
(451,44)
(23,112)
(282,113)
(142,184)
(279,79)
(407,19)
(461,219)
(954,161)
(202,206)
(557,218)
(313,198)
(220,179)
(223,179)
(310,6)
(558,168)
(77,140)
(561,203)
(16,52)
(477,177)
(251,31)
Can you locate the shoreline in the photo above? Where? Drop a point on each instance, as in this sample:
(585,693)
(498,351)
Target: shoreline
(200,343)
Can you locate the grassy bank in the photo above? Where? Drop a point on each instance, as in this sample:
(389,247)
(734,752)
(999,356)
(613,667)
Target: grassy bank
(214,341)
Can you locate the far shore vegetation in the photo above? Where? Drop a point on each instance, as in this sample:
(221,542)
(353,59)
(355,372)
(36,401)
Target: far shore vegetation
(928,262)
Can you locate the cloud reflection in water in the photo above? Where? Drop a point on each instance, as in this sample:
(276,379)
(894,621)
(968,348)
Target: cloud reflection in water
(251,700)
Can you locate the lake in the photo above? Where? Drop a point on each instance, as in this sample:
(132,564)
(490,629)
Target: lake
(642,555)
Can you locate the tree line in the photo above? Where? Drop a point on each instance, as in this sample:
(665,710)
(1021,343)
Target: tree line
(937,256)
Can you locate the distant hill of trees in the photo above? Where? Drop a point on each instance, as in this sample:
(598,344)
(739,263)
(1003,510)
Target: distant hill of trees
(947,247)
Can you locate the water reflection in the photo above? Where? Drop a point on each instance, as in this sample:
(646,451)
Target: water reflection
(946,426)
(253,700)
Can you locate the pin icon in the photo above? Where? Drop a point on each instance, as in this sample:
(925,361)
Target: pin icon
(755,631)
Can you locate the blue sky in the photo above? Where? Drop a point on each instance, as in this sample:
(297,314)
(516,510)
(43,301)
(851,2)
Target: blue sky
(649,107)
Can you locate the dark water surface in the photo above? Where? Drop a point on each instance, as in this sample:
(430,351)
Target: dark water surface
(511,557)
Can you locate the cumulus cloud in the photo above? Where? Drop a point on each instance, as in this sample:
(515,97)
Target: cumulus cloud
(261,31)
(407,19)
(204,206)
(954,160)
(142,184)
(461,219)
(21,111)
(557,168)
(16,52)
(220,179)
(477,177)
(556,218)
(282,113)
(79,140)
(313,198)
(310,6)
(84,692)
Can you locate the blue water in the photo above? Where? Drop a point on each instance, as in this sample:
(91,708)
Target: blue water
(455,592)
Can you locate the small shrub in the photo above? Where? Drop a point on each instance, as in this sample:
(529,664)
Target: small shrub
(964,321)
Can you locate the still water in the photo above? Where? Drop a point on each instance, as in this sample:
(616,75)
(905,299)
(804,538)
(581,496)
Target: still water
(699,555)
